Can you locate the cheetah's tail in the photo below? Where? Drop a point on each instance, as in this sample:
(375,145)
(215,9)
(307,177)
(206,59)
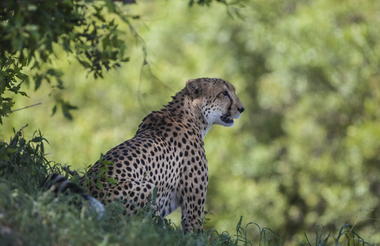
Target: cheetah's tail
(60,184)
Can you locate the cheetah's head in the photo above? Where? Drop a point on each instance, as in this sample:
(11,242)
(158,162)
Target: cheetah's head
(216,99)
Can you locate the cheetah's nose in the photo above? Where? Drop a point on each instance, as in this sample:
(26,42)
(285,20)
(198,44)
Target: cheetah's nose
(241,110)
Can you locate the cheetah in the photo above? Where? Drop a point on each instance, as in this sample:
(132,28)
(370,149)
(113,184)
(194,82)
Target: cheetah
(167,154)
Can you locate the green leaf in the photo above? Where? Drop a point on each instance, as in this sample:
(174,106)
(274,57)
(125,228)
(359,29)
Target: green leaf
(37,81)
(54,110)
(37,139)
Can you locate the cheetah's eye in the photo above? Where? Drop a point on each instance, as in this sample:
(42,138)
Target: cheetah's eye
(223,94)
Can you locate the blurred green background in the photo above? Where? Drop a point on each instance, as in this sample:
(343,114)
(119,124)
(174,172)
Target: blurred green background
(307,150)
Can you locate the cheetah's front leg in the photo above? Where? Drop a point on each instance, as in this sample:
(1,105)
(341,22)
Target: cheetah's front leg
(192,201)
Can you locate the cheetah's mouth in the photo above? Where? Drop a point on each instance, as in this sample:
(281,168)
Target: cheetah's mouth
(226,118)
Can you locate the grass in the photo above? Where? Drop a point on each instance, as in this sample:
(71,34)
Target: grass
(31,216)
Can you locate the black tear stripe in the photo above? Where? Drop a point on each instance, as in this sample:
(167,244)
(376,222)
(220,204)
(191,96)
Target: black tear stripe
(230,106)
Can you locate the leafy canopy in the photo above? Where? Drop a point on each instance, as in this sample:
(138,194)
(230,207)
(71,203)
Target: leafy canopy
(31,31)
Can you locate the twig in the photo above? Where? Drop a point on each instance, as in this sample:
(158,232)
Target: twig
(29,106)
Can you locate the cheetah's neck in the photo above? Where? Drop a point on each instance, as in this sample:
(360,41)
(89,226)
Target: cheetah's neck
(188,110)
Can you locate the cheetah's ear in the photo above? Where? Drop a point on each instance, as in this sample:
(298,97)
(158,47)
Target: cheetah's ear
(193,87)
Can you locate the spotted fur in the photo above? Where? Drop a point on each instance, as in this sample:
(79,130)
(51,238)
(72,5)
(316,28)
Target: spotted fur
(167,154)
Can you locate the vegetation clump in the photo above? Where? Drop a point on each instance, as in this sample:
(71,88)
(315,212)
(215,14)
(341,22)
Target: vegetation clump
(30,215)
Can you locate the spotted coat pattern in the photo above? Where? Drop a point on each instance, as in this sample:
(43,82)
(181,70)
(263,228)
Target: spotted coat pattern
(167,153)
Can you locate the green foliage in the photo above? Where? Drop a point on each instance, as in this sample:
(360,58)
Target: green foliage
(345,236)
(23,156)
(312,79)
(31,31)
(32,216)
